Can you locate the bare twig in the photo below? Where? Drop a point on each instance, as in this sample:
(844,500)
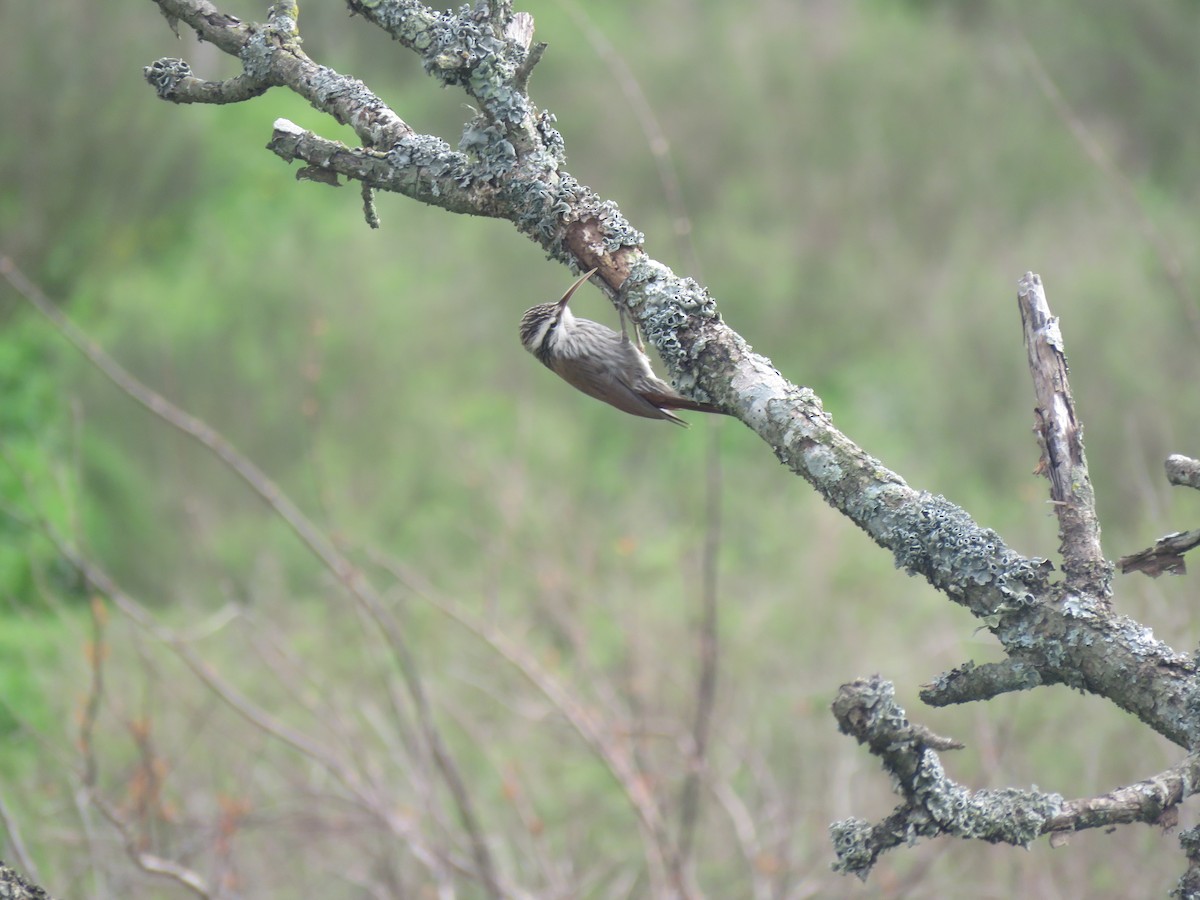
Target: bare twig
(657,142)
(1152,801)
(1060,436)
(16,843)
(596,733)
(97,652)
(253,713)
(706,684)
(747,834)
(322,547)
(707,632)
(1165,556)
(150,863)
(147,862)
(278,59)
(1168,259)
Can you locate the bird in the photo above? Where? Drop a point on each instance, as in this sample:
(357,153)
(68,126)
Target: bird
(600,362)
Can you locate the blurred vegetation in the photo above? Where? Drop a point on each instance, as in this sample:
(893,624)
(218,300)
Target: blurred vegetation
(865,184)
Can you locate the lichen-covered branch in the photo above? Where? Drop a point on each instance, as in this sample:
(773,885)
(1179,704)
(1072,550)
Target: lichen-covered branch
(271,57)
(1060,436)
(934,805)
(13,886)
(485,51)
(419,166)
(509,164)
(1063,637)
(1189,883)
(174,81)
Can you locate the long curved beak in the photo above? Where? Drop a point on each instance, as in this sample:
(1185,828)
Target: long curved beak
(566,298)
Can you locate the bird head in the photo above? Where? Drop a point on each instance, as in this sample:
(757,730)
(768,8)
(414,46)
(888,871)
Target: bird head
(540,324)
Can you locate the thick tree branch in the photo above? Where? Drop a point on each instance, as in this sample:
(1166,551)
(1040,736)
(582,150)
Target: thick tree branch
(1069,638)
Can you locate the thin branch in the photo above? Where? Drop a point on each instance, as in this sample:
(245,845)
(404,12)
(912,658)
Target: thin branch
(1165,556)
(971,682)
(657,142)
(593,731)
(256,715)
(1060,436)
(150,863)
(173,80)
(271,55)
(97,652)
(322,547)
(13,831)
(706,683)
(1152,801)
(747,836)
(521,78)
(422,167)
(1168,259)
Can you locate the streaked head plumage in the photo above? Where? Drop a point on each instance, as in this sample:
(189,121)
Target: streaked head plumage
(536,325)
(540,323)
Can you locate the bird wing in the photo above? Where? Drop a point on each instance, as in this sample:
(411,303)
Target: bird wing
(599,381)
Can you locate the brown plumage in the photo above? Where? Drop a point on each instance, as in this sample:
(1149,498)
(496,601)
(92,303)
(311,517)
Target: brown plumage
(600,362)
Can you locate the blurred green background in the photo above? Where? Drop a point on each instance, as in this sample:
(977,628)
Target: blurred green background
(865,183)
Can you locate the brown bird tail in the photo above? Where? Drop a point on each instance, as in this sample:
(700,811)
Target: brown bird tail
(675,401)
